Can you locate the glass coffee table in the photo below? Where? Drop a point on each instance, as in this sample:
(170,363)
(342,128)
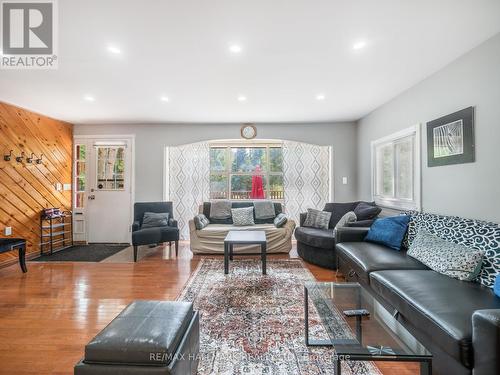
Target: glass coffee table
(374,337)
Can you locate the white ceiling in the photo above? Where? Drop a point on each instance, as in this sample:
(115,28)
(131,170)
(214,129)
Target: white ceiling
(293,50)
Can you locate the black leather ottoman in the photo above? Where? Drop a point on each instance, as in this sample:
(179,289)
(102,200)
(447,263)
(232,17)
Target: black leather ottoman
(148,337)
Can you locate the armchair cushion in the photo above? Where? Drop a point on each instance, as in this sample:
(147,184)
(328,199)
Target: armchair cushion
(155,219)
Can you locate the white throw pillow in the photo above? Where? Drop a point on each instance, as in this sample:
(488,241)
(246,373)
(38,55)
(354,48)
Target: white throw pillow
(242,216)
(349,217)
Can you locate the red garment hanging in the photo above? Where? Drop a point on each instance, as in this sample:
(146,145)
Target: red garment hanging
(257,185)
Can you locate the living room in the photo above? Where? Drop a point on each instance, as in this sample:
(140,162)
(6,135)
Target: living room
(249,187)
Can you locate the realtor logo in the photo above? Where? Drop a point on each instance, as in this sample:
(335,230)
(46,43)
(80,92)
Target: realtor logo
(28,34)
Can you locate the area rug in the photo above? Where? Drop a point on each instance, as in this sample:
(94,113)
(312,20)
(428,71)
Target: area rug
(83,253)
(254,324)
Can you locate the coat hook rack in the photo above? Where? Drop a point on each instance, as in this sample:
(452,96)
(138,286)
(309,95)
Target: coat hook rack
(9,156)
(20,158)
(31,158)
(39,161)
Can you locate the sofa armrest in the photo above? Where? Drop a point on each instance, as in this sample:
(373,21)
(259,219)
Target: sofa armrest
(361,223)
(486,341)
(350,234)
(303,216)
(192,226)
(172,223)
(136,225)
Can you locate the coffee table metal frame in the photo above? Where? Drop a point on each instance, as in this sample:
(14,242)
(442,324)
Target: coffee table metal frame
(237,237)
(425,361)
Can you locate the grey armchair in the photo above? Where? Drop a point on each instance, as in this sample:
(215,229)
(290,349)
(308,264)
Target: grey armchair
(156,235)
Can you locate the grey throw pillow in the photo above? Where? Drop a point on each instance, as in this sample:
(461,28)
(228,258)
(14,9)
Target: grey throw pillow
(155,219)
(317,219)
(448,258)
(349,217)
(242,216)
(280,220)
(201,221)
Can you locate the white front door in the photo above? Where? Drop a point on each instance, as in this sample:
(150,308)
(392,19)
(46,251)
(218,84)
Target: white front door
(108,195)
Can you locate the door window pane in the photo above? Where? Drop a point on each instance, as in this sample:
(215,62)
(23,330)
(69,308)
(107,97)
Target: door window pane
(110,168)
(80,176)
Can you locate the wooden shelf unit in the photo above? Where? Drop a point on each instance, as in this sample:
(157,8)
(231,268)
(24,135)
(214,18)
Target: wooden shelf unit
(56,233)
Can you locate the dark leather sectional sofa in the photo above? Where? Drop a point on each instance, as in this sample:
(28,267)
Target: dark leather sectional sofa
(458,321)
(317,246)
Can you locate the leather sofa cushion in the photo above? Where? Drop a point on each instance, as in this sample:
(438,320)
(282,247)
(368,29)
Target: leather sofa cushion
(437,305)
(366,257)
(148,236)
(322,238)
(144,327)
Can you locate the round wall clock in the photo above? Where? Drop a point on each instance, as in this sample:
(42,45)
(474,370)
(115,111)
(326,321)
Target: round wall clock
(248,131)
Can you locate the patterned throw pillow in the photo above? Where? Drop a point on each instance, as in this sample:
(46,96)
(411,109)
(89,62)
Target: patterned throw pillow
(280,220)
(474,234)
(349,217)
(447,258)
(201,221)
(242,216)
(154,219)
(317,219)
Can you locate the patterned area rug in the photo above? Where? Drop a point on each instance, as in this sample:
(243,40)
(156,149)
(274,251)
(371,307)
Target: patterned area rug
(254,324)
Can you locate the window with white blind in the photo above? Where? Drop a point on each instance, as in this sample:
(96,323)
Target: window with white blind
(396,170)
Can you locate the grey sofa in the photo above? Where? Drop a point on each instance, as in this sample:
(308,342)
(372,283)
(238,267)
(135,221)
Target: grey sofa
(157,235)
(210,240)
(458,321)
(317,246)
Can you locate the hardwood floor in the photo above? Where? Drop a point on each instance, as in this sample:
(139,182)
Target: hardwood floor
(49,314)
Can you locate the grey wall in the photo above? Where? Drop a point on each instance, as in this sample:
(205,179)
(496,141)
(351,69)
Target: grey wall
(468,190)
(151,140)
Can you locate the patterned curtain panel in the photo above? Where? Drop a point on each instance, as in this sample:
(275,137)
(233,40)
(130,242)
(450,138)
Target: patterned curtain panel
(189,181)
(306,170)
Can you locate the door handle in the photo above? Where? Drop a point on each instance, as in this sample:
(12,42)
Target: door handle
(92,197)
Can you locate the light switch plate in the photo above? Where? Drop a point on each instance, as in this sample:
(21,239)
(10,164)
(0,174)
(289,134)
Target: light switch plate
(344,180)
(8,231)
(58,186)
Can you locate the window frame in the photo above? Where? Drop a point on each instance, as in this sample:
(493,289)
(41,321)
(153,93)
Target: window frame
(394,201)
(228,173)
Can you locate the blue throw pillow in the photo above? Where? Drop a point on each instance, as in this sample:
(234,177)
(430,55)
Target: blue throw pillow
(496,288)
(389,231)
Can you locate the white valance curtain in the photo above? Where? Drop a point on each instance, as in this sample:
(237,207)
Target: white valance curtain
(306,169)
(188,181)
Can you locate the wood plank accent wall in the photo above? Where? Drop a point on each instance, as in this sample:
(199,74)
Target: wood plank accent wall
(25,189)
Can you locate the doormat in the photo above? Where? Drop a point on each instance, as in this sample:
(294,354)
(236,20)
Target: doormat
(96,252)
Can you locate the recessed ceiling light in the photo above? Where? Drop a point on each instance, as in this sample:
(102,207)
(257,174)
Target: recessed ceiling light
(89,98)
(320,97)
(164,98)
(242,98)
(359,45)
(235,48)
(114,50)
